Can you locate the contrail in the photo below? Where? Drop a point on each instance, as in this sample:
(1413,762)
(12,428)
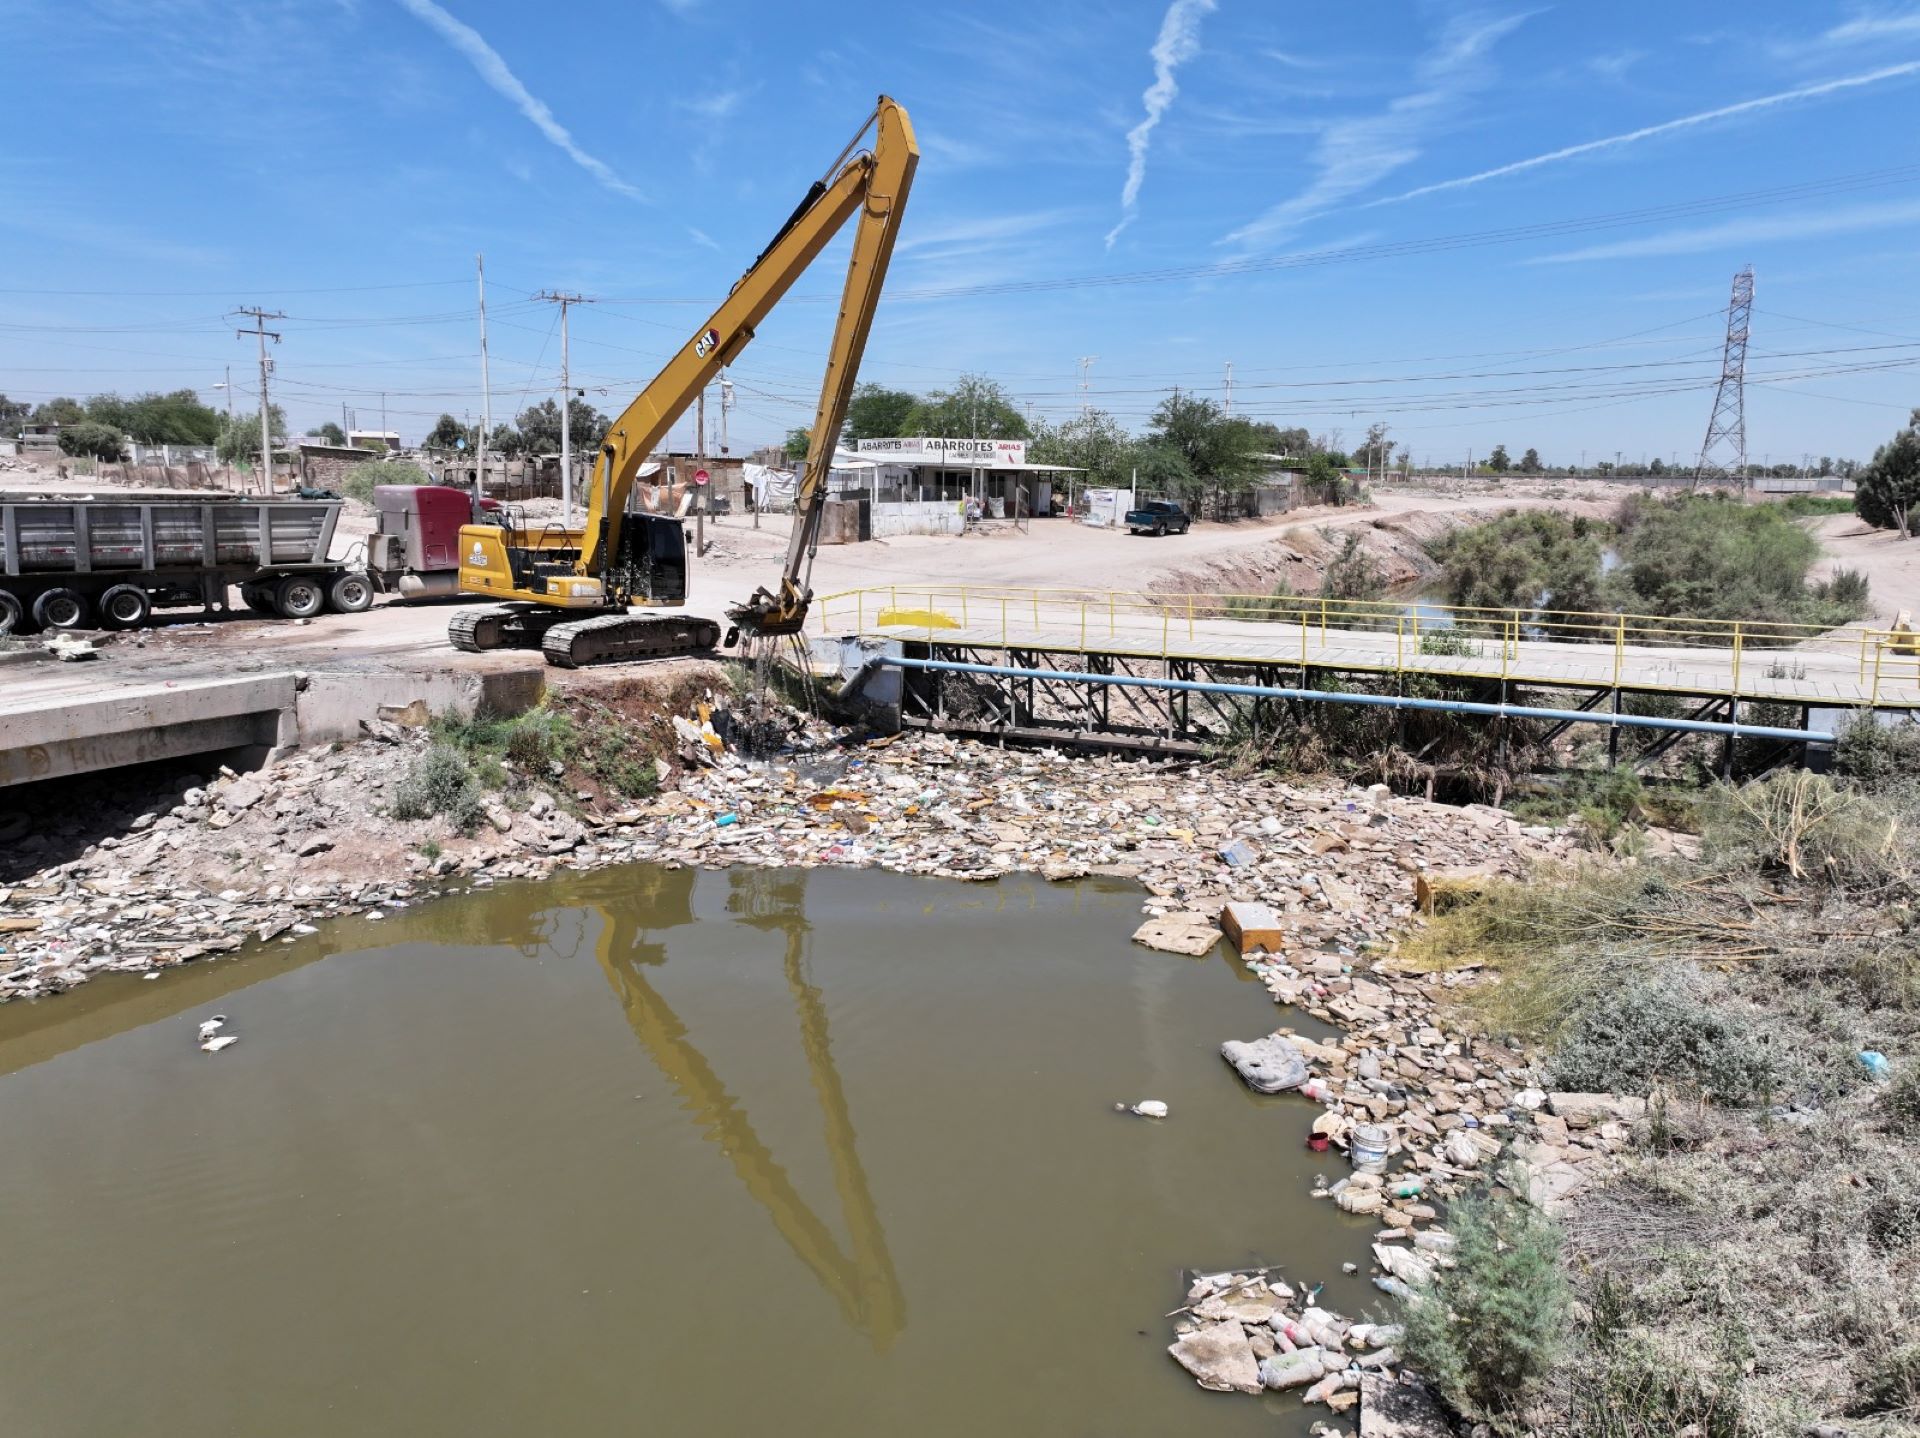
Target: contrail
(486,60)
(1809,92)
(1179,41)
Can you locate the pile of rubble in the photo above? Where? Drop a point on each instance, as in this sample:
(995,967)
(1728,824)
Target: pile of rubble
(1242,1334)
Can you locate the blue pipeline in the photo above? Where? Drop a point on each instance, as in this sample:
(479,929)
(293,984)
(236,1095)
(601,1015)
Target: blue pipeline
(1381,701)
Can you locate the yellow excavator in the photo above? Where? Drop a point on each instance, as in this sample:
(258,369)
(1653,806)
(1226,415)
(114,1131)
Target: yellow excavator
(567,591)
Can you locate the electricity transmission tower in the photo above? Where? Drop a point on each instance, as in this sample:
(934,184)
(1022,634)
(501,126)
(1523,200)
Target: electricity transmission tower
(1727,429)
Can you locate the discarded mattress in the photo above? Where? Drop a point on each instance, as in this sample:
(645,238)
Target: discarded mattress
(1269,1065)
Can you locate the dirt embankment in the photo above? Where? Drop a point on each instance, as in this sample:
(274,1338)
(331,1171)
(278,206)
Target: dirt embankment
(1300,555)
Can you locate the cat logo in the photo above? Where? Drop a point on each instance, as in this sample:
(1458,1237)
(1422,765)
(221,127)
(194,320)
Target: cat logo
(478,559)
(705,345)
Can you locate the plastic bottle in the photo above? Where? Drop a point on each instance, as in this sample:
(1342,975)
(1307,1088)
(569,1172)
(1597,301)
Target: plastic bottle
(1410,1187)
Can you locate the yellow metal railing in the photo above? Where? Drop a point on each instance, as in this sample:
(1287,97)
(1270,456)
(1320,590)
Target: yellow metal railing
(1571,647)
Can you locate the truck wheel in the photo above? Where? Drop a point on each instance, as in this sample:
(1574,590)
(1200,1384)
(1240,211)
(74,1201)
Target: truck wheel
(125,606)
(12,615)
(352,593)
(298,597)
(61,609)
(1160,530)
(258,598)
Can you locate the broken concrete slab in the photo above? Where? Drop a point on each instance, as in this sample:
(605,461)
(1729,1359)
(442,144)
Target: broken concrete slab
(1220,1358)
(1177,936)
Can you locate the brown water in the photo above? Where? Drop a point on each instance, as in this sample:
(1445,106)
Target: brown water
(649,1152)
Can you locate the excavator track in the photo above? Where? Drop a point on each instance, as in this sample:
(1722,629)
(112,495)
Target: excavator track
(478,630)
(614,637)
(509,626)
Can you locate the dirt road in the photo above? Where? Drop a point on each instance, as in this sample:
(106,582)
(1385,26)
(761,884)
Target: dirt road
(1891,564)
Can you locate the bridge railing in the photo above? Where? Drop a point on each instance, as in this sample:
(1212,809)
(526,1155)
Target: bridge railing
(1414,636)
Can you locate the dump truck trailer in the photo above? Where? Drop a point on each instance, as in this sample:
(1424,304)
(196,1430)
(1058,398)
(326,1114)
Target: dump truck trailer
(76,563)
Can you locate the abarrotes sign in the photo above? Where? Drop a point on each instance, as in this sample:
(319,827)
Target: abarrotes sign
(950,453)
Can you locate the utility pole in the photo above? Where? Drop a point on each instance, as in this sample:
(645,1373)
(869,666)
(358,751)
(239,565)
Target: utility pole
(1086,388)
(228,387)
(261,333)
(1229,389)
(565,301)
(486,396)
(699,462)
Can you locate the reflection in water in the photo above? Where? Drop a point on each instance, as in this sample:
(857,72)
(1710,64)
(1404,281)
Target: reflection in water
(865,1284)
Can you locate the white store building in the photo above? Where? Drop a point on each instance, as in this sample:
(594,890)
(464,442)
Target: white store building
(994,472)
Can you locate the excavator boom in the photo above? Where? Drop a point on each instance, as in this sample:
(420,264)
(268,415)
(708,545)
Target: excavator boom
(589,576)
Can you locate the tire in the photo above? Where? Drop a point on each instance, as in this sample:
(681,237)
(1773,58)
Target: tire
(1160,531)
(125,606)
(61,610)
(299,596)
(351,593)
(13,615)
(258,598)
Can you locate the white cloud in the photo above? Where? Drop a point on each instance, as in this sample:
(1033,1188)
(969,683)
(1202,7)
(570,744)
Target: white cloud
(1355,153)
(1179,41)
(1874,27)
(975,231)
(1614,66)
(702,238)
(1745,232)
(1631,137)
(716,106)
(491,68)
(681,7)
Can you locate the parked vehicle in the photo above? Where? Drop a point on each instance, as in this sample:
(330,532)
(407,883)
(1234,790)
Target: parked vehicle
(79,563)
(1159,517)
(70,563)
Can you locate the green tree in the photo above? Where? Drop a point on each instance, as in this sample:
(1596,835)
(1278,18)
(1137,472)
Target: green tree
(448,433)
(1887,495)
(1498,461)
(540,426)
(975,408)
(239,438)
(91,437)
(876,412)
(1221,454)
(798,443)
(1373,451)
(1488,1330)
(330,432)
(1093,442)
(506,441)
(1159,468)
(1530,462)
(59,411)
(174,418)
(1293,443)
(1327,478)
(13,414)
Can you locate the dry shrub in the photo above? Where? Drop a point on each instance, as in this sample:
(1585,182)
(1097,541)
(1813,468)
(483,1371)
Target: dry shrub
(1807,826)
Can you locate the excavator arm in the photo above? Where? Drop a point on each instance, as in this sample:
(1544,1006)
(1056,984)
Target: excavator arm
(873,183)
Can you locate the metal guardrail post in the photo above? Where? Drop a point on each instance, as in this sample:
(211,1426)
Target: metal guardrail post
(1166,618)
(1399,655)
(964,621)
(1737,637)
(1003,622)
(1619,646)
(1323,619)
(1873,695)
(1109,614)
(1083,626)
(1189,618)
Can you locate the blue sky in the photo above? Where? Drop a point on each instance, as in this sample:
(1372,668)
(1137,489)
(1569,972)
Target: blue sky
(1510,223)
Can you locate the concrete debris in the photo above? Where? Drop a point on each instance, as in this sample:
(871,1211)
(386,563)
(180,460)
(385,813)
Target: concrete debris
(1219,1357)
(1178,936)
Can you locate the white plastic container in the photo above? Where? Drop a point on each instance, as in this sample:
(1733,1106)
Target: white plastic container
(1369,1151)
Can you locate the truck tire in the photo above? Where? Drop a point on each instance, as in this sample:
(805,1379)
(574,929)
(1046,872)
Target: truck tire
(351,593)
(12,614)
(61,609)
(299,596)
(258,598)
(125,606)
